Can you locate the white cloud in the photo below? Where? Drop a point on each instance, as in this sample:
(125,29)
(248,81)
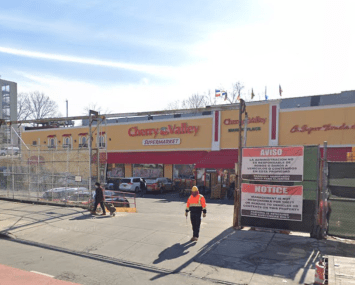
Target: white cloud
(150,69)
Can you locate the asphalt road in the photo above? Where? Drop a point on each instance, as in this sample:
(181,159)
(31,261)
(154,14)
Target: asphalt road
(152,246)
(160,221)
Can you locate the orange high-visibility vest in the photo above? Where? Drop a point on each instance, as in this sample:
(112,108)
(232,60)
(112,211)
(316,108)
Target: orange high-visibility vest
(196,203)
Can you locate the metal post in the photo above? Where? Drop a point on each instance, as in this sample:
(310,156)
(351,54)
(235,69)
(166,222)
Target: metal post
(90,153)
(237,197)
(67,107)
(39,149)
(12,165)
(52,175)
(245,129)
(324,187)
(98,141)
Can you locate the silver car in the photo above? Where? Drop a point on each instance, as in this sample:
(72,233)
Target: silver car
(130,184)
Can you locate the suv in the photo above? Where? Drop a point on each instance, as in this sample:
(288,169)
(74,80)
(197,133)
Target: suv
(9,150)
(159,185)
(131,184)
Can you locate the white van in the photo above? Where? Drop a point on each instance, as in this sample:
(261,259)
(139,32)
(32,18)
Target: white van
(130,184)
(11,150)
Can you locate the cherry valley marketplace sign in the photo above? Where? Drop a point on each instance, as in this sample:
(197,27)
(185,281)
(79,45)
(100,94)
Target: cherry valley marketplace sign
(183,128)
(273,164)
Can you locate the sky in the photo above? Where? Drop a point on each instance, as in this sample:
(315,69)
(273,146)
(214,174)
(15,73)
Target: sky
(132,56)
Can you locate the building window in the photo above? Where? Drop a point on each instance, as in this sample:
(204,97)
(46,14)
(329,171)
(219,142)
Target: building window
(102,141)
(148,170)
(83,141)
(183,171)
(67,142)
(52,142)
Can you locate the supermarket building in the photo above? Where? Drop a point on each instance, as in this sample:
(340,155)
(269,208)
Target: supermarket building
(205,145)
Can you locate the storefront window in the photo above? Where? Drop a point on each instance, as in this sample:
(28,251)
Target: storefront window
(200,176)
(227,177)
(115,171)
(148,170)
(183,171)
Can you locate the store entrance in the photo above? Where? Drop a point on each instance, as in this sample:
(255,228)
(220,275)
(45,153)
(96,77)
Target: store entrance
(211,180)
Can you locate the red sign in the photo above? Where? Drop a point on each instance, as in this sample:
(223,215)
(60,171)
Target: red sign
(272,201)
(327,127)
(254,120)
(184,128)
(275,164)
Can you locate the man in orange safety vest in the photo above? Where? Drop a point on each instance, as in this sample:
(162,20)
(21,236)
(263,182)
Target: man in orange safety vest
(196,204)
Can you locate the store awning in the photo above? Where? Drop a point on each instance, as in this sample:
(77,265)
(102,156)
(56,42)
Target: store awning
(225,158)
(162,157)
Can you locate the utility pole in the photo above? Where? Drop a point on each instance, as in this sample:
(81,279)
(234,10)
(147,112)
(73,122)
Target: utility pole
(91,113)
(237,196)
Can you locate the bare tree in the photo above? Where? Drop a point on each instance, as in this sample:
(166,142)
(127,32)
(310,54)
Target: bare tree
(210,98)
(195,101)
(22,108)
(176,105)
(36,105)
(237,89)
(95,107)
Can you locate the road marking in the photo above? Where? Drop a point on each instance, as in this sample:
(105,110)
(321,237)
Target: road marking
(42,274)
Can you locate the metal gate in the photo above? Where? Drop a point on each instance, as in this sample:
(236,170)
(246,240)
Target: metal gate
(341,185)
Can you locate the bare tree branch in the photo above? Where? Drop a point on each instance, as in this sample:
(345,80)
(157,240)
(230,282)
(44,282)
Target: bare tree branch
(211,99)
(173,105)
(195,101)
(36,105)
(22,108)
(237,89)
(95,107)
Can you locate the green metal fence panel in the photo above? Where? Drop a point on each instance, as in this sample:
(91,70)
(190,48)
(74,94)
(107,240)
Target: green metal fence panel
(341,221)
(310,171)
(341,185)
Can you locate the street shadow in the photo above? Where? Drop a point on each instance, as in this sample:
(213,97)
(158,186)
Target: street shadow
(247,252)
(174,251)
(89,217)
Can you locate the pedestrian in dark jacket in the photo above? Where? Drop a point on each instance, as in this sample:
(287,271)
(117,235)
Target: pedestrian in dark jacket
(99,199)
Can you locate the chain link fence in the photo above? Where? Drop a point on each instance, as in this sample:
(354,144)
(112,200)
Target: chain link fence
(47,173)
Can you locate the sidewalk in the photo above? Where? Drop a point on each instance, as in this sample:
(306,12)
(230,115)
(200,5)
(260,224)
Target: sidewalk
(156,239)
(14,276)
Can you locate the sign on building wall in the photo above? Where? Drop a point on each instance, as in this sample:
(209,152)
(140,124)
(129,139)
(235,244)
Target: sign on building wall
(173,141)
(272,202)
(274,164)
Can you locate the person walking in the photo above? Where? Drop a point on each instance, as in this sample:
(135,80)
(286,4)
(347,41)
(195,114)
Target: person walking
(143,186)
(196,204)
(99,199)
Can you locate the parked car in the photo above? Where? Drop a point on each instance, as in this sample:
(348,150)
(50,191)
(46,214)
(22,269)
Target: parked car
(66,193)
(130,184)
(115,182)
(159,185)
(9,151)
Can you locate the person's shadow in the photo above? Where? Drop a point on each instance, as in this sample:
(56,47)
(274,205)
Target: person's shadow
(174,251)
